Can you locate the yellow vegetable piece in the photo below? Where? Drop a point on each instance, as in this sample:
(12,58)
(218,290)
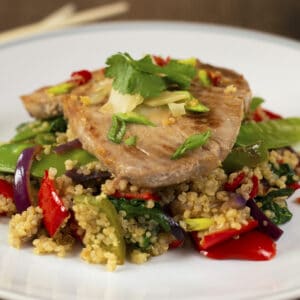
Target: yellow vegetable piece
(189,61)
(197,224)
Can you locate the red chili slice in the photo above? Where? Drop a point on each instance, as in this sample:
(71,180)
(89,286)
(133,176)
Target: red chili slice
(81,77)
(271,115)
(215,77)
(6,189)
(218,237)
(54,211)
(255,187)
(237,181)
(294,186)
(141,196)
(253,245)
(161,61)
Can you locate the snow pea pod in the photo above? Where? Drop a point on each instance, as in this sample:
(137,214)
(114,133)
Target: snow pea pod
(242,156)
(9,154)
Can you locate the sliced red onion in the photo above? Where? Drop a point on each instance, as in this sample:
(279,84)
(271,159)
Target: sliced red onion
(236,201)
(176,230)
(74,144)
(22,191)
(265,224)
(94,178)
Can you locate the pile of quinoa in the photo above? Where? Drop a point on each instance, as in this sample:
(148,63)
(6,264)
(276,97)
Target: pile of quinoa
(202,197)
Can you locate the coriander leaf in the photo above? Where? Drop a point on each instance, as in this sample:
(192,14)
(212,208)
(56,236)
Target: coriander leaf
(192,142)
(274,133)
(128,79)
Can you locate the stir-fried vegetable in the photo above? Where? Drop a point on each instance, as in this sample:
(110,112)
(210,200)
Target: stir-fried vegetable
(101,205)
(249,156)
(55,214)
(274,134)
(192,142)
(9,154)
(22,188)
(132,117)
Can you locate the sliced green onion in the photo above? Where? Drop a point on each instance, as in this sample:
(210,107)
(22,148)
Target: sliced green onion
(168,97)
(197,224)
(255,103)
(62,88)
(117,130)
(133,117)
(203,77)
(192,142)
(131,141)
(189,61)
(195,106)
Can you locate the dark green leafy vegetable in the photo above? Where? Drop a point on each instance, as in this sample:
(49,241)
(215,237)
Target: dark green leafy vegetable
(192,142)
(137,208)
(281,213)
(242,156)
(274,133)
(285,170)
(255,103)
(145,78)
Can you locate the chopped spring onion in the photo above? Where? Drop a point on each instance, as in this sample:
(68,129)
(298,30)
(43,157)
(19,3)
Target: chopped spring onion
(197,224)
(132,117)
(131,141)
(62,88)
(177,109)
(203,77)
(255,103)
(195,106)
(117,130)
(168,97)
(192,142)
(189,61)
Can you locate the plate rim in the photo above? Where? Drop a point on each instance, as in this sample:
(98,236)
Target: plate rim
(138,25)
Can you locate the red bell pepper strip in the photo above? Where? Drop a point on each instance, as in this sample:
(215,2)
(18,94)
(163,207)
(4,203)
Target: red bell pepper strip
(253,245)
(55,214)
(294,186)
(259,113)
(271,115)
(237,181)
(161,61)
(81,77)
(254,190)
(141,196)
(175,244)
(218,237)
(6,189)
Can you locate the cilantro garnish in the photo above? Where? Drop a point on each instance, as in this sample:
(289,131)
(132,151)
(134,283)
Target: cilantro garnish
(146,78)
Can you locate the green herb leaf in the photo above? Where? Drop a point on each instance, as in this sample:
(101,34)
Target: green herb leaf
(145,78)
(131,141)
(117,130)
(274,134)
(281,213)
(133,117)
(255,103)
(192,142)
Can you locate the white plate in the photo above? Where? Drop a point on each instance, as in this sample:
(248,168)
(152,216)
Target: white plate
(271,65)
